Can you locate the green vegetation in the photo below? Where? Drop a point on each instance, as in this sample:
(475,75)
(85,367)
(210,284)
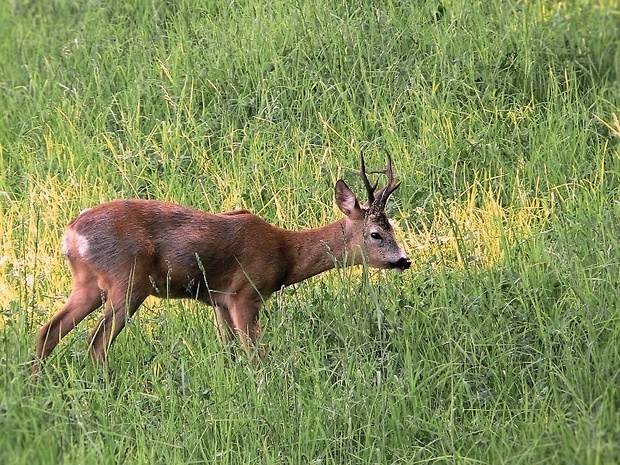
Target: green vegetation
(501,345)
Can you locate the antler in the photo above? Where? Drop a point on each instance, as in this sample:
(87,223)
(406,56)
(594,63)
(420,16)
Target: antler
(379,199)
(370,190)
(383,195)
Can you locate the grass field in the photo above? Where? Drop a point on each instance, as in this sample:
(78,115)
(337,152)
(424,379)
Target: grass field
(500,345)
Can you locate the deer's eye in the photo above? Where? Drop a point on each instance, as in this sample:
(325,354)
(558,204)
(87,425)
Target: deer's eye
(375,235)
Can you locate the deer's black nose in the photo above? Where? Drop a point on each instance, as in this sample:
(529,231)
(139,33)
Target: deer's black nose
(401,264)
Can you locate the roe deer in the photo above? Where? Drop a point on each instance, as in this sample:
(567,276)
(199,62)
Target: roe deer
(122,251)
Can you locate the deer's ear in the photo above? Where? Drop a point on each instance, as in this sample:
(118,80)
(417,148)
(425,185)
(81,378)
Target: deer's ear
(347,202)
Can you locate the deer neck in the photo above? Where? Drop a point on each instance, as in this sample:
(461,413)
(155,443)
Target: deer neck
(314,251)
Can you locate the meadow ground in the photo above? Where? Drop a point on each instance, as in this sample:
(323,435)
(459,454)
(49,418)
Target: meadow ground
(500,345)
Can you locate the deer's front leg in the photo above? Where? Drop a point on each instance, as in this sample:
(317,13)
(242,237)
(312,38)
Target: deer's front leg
(223,323)
(244,313)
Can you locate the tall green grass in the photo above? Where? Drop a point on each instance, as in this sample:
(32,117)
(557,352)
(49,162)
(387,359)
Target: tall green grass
(499,346)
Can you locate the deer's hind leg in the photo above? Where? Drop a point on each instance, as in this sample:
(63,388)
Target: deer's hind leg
(122,302)
(81,302)
(85,298)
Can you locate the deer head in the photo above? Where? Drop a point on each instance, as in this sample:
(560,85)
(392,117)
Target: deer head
(370,229)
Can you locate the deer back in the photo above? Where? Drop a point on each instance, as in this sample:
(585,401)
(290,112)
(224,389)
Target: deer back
(184,252)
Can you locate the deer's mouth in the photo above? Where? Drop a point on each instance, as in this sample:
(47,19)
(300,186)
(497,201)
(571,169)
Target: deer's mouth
(401,264)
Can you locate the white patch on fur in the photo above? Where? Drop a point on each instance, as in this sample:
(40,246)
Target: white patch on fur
(65,246)
(74,242)
(82,245)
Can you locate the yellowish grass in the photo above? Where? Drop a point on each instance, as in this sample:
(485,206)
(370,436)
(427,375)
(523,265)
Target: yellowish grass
(475,228)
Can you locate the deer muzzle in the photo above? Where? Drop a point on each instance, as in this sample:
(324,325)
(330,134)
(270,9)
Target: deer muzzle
(401,264)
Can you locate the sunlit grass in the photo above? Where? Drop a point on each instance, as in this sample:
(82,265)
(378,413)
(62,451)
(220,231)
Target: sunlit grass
(475,229)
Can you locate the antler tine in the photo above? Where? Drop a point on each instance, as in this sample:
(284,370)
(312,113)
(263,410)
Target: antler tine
(390,187)
(388,170)
(370,189)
